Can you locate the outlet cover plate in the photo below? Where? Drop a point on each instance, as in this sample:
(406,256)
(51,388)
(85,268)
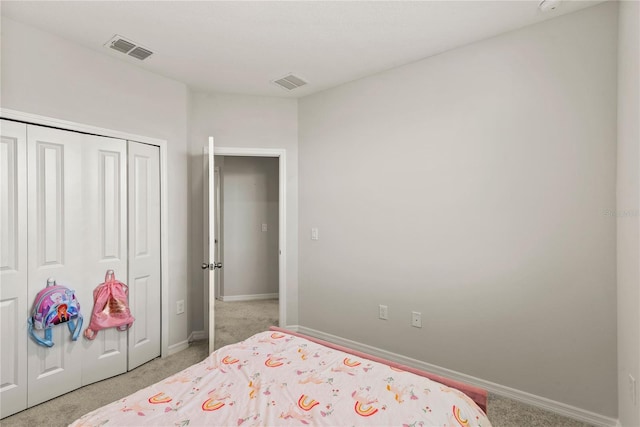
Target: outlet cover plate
(383,312)
(416,319)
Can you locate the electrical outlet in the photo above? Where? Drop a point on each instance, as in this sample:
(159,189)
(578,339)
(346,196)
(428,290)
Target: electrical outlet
(633,394)
(416,319)
(383,312)
(180,306)
(314,233)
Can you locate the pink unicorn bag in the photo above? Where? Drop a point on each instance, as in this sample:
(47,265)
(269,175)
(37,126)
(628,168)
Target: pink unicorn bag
(110,307)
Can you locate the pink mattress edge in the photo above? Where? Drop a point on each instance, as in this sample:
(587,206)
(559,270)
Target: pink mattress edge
(477,394)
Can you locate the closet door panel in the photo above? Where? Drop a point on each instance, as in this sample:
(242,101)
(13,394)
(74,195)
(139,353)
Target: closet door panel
(144,252)
(105,209)
(64,214)
(14,305)
(56,249)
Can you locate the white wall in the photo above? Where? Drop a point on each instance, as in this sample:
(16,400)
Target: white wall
(473,187)
(628,204)
(248,122)
(484,174)
(249,197)
(46,75)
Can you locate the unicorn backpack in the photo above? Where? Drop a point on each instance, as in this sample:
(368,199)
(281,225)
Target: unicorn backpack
(54,305)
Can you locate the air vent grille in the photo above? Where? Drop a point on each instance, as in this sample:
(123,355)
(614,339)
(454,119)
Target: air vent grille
(122,45)
(290,82)
(140,53)
(128,47)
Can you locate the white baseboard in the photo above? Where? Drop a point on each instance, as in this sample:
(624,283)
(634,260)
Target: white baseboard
(198,336)
(518,395)
(248,297)
(175,348)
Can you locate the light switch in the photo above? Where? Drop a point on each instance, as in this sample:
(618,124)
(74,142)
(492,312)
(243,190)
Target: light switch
(314,234)
(264,227)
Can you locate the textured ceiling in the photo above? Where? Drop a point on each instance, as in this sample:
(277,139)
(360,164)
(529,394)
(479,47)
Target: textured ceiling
(240,47)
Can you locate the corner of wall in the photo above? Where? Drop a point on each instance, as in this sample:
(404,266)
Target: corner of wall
(628,211)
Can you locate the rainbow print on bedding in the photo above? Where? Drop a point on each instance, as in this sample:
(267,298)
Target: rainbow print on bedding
(278,379)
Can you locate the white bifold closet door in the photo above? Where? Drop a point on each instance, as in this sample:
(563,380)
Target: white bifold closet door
(144,252)
(77,230)
(72,206)
(13,268)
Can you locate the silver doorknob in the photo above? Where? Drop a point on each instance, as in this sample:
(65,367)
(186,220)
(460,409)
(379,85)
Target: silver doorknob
(213,266)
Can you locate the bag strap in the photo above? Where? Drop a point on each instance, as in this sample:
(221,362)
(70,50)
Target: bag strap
(124,327)
(125,288)
(110,276)
(74,327)
(48,336)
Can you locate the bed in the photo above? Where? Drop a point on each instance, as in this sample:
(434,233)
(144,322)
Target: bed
(280,378)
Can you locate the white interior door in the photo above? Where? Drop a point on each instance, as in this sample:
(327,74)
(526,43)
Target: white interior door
(56,249)
(76,231)
(105,247)
(212,265)
(63,214)
(13,267)
(144,252)
(218,235)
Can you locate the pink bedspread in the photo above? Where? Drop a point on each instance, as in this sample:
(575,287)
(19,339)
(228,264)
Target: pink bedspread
(277,379)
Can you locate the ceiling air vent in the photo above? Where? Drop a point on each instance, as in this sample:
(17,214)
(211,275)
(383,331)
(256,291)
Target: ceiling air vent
(122,45)
(290,82)
(128,47)
(140,53)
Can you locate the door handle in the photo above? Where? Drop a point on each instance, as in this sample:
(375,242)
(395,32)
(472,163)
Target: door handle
(213,266)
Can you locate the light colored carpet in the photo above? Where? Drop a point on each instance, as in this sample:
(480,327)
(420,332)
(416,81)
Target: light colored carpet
(235,321)
(504,412)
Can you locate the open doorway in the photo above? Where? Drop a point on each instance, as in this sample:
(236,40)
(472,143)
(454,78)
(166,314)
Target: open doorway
(249,223)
